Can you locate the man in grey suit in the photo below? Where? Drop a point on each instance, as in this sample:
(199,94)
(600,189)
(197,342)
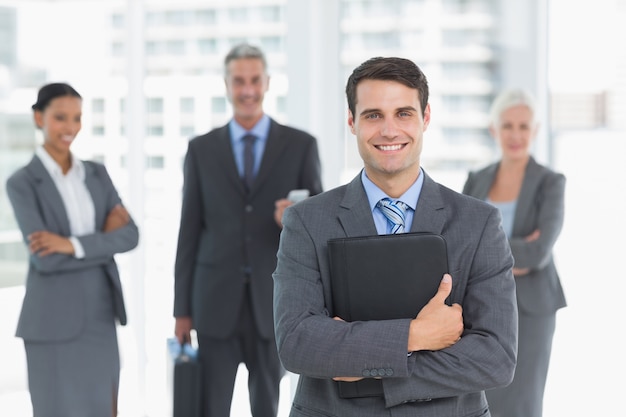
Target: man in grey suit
(438,363)
(233,197)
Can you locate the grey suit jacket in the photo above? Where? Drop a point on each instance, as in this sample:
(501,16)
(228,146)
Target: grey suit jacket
(449,382)
(223,229)
(53,307)
(540,205)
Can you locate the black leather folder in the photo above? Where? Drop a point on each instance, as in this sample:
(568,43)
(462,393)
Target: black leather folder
(385,277)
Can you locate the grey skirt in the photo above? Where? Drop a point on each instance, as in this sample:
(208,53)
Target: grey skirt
(80,377)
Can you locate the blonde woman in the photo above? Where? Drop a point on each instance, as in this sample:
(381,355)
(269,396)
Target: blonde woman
(530,197)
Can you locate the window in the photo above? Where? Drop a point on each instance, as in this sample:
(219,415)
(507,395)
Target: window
(187,104)
(238,15)
(206,17)
(117,20)
(97,130)
(117,49)
(271,13)
(383,40)
(207,46)
(187,131)
(154,48)
(154,130)
(175,47)
(281,104)
(272,44)
(155,162)
(176,17)
(154,105)
(97,105)
(218,104)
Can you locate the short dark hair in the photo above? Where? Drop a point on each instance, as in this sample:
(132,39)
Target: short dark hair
(401,70)
(49,92)
(243,51)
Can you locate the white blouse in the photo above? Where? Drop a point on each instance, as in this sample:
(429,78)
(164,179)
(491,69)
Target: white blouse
(75,195)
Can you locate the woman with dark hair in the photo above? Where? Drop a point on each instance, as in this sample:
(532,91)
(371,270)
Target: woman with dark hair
(531,198)
(73,223)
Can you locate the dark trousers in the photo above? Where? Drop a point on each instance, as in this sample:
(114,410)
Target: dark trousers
(220,360)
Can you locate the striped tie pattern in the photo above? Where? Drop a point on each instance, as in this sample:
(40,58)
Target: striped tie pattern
(395,212)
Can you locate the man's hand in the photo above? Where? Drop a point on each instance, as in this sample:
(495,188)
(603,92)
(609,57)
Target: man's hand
(437,326)
(117,217)
(44,243)
(182,329)
(279,208)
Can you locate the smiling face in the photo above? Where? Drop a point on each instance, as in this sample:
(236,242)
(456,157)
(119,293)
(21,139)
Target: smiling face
(246,84)
(389,127)
(514,132)
(60,122)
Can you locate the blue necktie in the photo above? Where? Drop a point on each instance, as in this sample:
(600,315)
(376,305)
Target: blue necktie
(395,212)
(248,160)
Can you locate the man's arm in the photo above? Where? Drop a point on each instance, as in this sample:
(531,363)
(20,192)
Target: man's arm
(186,252)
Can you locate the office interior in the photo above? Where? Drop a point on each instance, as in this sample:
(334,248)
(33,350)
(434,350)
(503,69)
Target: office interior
(150,73)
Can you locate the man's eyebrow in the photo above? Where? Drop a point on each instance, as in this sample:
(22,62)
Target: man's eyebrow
(369,111)
(399,109)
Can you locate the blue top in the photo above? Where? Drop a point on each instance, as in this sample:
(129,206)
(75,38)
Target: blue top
(375,194)
(260,130)
(507,210)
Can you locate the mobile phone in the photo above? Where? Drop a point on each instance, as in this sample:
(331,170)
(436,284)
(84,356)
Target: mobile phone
(297,195)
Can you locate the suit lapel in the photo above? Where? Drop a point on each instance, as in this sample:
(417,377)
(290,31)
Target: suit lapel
(274,146)
(483,185)
(51,199)
(355,215)
(226,158)
(525,199)
(93,184)
(429,213)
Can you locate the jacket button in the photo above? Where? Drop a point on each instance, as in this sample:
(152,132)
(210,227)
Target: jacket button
(249,208)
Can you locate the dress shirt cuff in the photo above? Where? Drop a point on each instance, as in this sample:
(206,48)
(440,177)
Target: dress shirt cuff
(79,252)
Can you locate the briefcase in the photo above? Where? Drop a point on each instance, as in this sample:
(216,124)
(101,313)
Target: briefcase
(187,384)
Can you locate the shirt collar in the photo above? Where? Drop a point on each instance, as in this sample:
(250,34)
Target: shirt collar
(375,194)
(54,169)
(260,130)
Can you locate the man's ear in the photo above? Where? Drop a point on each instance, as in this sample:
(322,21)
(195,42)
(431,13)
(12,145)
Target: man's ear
(426,116)
(351,122)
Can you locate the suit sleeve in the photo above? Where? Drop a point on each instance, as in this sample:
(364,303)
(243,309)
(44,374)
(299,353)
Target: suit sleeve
(550,198)
(106,244)
(486,355)
(99,247)
(188,236)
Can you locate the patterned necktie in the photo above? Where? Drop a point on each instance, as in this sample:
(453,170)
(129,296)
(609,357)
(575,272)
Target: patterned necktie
(248,160)
(395,212)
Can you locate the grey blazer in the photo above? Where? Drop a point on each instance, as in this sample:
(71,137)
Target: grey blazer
(53,308)
(449,382)
(540,205)
(221,223)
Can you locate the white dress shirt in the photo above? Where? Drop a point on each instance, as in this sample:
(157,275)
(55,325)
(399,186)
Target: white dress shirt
(75,195)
